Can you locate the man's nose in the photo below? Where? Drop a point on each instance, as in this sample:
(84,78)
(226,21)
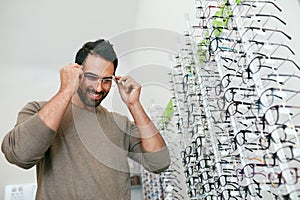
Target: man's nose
(98,86)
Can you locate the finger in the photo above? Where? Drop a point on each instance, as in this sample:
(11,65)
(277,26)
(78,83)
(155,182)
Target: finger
(77,69)
(127,79)
(123,79)
(127,84)
(131,85)
(75,65)
(124,86)
(81,74)
(117,78)
(120,83)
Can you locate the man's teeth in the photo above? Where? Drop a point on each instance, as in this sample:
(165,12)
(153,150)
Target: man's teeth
(96,95)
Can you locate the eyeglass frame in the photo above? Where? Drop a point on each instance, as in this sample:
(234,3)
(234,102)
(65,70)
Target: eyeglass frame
(94,78)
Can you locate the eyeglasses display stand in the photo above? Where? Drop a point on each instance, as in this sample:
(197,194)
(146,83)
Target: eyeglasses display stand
(234,128)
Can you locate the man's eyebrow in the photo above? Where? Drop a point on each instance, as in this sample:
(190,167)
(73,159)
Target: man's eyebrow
(90,73)
(107,77)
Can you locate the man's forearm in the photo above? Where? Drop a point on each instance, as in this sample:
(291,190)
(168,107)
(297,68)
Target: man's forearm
(52,113)
(152,140)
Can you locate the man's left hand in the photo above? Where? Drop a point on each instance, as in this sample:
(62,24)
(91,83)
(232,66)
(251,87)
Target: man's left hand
(129,89)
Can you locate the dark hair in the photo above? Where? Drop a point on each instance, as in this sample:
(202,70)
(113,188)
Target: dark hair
(99,47)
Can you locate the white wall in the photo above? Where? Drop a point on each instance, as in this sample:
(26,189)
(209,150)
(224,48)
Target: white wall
(39,37)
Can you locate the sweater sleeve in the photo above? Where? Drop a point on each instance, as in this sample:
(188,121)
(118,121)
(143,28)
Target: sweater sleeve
(30,138)
(155,162)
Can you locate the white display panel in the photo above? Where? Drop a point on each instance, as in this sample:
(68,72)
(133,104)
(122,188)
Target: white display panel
(20,191)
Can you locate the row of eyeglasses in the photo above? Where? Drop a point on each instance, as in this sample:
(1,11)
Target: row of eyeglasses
(235,94)
(167,185)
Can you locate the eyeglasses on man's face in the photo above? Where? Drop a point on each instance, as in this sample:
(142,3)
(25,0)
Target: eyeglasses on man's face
(106,82)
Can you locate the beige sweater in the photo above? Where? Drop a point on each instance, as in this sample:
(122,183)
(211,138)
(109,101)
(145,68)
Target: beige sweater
(85,159)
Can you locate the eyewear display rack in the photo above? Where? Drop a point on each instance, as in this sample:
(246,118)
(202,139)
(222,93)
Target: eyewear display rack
(235,104)
(168,185)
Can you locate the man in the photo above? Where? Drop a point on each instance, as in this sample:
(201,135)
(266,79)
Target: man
(79,148)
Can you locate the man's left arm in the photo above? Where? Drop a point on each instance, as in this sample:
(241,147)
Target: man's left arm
(151,139)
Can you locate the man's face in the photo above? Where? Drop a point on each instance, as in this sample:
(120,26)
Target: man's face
(92,90)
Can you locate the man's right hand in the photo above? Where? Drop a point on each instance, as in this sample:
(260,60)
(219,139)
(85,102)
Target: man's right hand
(52,113)
(70,77)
